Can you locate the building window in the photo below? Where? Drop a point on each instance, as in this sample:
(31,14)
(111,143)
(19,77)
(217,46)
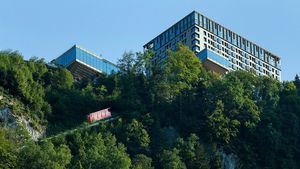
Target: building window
(195,35)
(196,49)
(195,42)
(195,29)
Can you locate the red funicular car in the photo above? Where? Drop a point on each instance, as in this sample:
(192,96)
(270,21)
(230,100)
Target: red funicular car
(99,115)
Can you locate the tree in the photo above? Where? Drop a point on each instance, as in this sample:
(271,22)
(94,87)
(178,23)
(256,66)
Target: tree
(94,150)
(256,118)
(8,151)
(193,153)
(44,156)
(181,72)
(59,78)
(170,159)
(131,82)
(231,107)
(137,137)
(135,63)
(24,80)
(222,128)
(297,81)
(141,161)
(127,62)
(215,161)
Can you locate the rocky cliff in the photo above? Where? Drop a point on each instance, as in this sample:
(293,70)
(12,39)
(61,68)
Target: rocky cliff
(10,119)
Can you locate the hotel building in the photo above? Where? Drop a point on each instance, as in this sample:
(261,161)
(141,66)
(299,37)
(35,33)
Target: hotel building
(84,64)
(219,48)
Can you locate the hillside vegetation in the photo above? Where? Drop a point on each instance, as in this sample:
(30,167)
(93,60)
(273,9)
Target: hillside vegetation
(174,116)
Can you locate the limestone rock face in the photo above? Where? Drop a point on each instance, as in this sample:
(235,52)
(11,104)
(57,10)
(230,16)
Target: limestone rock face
(7,118)
(11,121)
(229,161)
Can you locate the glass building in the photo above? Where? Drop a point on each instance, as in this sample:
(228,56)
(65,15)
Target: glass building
(219,48)
(84,64)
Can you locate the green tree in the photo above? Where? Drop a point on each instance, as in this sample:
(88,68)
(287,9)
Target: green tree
(137,137)
(131,83)
(193,153)
(231,106)
(222,127)
(181,72)
(23,79)
(170,159)
(59,78)
(135,63)
(8,151)
(94,150)
(141,161)
(215,161)
(44,156)
(297,81)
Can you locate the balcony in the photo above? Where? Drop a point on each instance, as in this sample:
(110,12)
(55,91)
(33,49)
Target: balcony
(213,61)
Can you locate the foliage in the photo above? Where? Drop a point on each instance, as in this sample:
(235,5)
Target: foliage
(96,150)
(137,136)
(141,161)
(170,159)
(45,156)
(24,79)
(8,151)
(181,72)
(193,153)
(173,114)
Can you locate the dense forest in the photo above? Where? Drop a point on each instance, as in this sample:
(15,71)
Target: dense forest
(172,115)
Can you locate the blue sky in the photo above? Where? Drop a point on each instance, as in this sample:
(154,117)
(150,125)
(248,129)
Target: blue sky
(48,28)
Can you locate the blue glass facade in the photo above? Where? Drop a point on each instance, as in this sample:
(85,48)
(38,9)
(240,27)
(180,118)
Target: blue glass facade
(67,58)
(77,54)
(207,54)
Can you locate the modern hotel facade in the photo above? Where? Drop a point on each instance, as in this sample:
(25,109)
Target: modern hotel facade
(84,64)
(219,49)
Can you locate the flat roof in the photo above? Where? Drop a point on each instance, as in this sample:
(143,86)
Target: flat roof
(87,51)
(275,56)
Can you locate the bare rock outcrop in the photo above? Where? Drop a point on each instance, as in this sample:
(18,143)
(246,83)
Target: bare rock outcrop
(8,119)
